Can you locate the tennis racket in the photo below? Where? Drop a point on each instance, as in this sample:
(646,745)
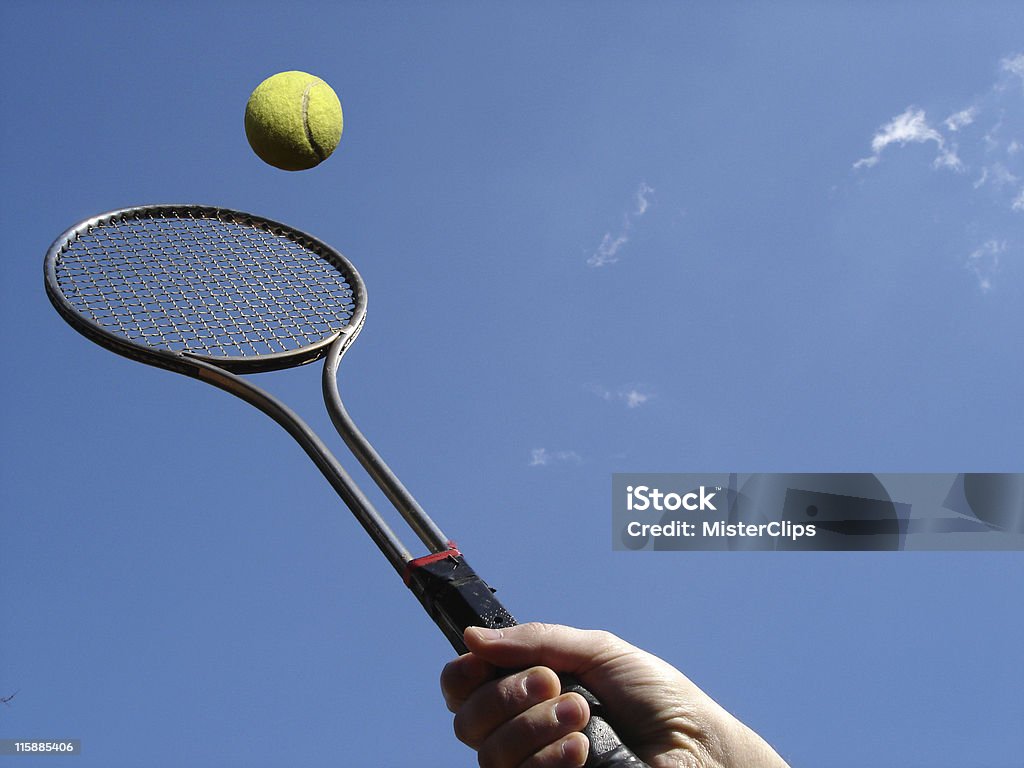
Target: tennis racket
(213,293)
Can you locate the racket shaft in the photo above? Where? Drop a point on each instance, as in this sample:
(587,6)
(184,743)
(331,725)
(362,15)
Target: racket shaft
(456,598)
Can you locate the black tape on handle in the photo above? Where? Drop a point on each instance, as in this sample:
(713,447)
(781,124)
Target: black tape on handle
(456,598)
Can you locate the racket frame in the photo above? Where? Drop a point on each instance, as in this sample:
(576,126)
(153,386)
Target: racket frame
(223,371)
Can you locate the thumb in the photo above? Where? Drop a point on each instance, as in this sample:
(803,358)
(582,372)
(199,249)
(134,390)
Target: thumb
(564,649)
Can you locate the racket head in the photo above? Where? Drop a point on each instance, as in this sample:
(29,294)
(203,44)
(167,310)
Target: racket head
(167,284)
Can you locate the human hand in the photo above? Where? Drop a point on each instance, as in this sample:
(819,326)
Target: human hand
(523,720)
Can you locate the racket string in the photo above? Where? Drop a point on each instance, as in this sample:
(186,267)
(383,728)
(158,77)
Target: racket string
(210,286)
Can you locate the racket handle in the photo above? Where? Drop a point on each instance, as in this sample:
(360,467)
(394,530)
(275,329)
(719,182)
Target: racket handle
(456,598)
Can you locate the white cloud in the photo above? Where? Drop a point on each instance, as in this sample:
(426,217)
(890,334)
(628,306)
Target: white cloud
(910,127)
(961,119)
(996,174)
(643,198)
(608,251)
(631,396)
(983,129)
(983,261)
(542,457)
(1014,65)
(634,398)
(986,139)
(948,158)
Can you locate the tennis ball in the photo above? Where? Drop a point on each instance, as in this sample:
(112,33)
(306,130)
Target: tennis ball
(293,121)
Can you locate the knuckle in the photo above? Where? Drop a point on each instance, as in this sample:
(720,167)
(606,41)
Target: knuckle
(541,628)
(606,644)
(604,638)
(512,693)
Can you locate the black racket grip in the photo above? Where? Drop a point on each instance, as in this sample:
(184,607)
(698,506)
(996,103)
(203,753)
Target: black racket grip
(456,598)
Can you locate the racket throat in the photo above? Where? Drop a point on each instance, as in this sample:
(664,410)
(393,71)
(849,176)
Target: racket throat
(454,596)
(401,499)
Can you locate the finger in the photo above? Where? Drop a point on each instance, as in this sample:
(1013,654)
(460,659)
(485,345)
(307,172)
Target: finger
(536,737)
(563,648)
(461,677)
(568,752)
(496,702)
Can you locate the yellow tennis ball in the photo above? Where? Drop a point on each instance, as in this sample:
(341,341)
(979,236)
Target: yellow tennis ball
(293,121)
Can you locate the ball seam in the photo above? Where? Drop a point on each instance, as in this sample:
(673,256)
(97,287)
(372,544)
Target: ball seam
(317,150)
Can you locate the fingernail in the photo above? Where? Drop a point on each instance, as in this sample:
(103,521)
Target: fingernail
(568,711)
(537,685)
(575,748)
(485,633)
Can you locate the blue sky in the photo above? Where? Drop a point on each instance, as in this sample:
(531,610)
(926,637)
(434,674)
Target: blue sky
(597,238)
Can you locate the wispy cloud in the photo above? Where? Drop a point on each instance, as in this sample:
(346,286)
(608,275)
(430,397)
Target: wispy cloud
(983,262)
(961,119)
(912,127)
(1015,66)
(983,141)
(542,457)
(997,175)
(635,398)
(988,138)
(632,396)
(608,251)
